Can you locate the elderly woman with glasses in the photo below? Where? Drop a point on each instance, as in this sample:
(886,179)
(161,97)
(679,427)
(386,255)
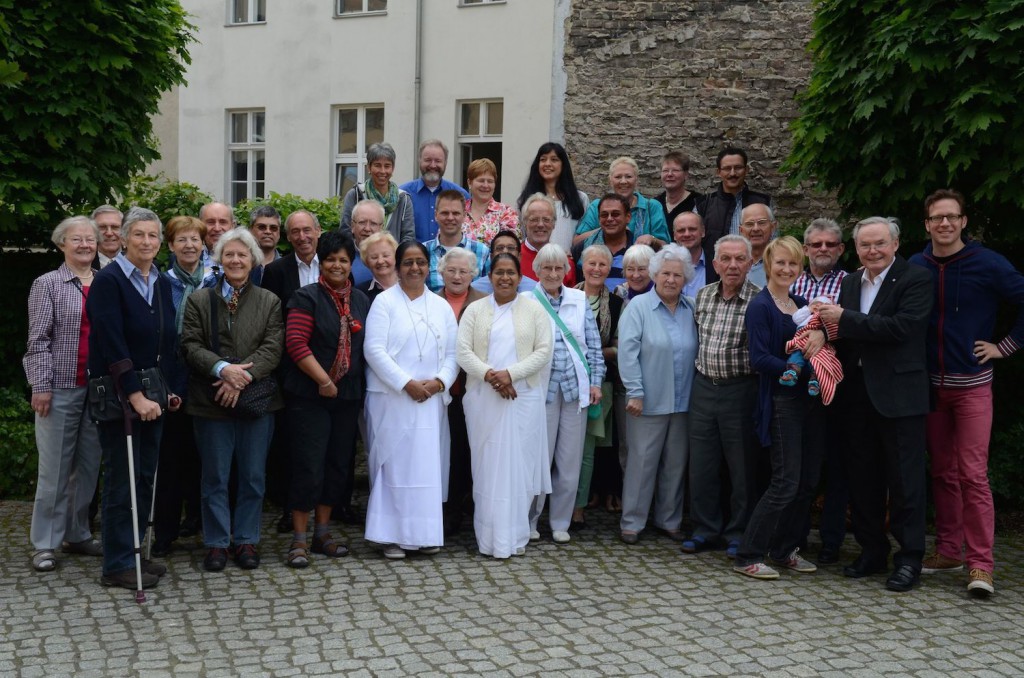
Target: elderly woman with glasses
(398,211)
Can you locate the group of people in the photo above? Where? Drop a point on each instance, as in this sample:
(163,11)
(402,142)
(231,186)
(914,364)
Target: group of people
(503,361)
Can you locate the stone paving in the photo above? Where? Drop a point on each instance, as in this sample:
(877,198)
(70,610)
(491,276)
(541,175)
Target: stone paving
(595,607)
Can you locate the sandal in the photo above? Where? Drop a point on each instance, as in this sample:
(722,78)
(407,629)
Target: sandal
(327,546)
(298,555)
(789,377)
(44,561)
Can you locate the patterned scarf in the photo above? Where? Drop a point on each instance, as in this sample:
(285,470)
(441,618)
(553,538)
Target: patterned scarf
(192,282)
(236,294)
(343,356)
(599,307)
(389,201)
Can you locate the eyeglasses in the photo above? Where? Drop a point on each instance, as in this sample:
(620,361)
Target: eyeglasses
(953,219)
(823,245)
(457,271)
(547,221)
(368,222)
(733,169)
(76,241)
(760,223)
(510,249)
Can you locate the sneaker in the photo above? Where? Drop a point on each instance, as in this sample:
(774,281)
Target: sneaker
(796,563)
(980,585)
(128,579)
(394,552)
(560,537)
(756,570)
(87,547)
(534,535)
(937,562)
(732,549)
(520,551)
(429,550)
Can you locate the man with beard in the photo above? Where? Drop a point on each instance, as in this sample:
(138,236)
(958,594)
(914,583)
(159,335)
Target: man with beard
(424,191)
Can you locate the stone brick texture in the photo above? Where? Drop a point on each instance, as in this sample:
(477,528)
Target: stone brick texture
(647,77)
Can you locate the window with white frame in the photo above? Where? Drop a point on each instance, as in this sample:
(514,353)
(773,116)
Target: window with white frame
(246,155)
(463,3)
(247,11)
(481,125)
(356,128)
(353,7)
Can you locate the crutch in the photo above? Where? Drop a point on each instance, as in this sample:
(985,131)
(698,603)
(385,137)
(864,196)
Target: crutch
(116,370)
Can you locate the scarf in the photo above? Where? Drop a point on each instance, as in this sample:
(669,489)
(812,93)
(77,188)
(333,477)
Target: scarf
(192,282)
(599,307)
(343,356)
(389,201)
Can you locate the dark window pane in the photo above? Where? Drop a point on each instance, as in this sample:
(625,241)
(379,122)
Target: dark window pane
(259,171)
(378,5)
(470,120)
(374,126)
(239,128)
(495,117)
(347,124)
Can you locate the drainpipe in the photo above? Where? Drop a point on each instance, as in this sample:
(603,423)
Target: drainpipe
(416,89)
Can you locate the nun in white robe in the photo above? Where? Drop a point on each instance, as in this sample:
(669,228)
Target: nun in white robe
(408,340)
(507,437)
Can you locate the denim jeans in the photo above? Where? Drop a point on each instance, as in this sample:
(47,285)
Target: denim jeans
(245,441)
(776,526)
(118,545)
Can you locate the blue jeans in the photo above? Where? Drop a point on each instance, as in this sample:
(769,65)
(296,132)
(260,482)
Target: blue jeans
(776,526)
(245,441)
(118,545)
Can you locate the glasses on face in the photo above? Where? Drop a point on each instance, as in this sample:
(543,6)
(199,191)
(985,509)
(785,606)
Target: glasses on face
(823,245)
(879,246)
(456,271)
(510,249)
(77,241)
(547,221)
(953,219)
(610,215)
(368,222)
(760,223)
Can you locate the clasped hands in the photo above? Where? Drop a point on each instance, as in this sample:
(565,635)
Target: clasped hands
(421,390)
(501,382)
(233,380)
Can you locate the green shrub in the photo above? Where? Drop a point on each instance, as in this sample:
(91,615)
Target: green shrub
(18,456)
(166,198)
(328,211)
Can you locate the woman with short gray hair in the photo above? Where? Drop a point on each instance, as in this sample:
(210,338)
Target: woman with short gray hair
(397,204)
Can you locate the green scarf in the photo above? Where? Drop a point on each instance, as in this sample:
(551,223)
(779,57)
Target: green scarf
(192,282)
(390,201)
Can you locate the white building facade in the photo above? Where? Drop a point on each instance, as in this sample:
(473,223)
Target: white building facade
(286,95)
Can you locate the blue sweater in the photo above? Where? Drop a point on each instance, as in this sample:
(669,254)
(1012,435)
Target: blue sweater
(968,290)
(768,330)
(123,325)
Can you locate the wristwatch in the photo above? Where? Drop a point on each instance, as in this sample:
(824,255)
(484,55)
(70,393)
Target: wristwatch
(439,383)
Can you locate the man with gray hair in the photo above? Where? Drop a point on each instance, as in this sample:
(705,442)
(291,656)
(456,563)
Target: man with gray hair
(367,219)
(219,219)
(758,224)
(427,189)
(108,221)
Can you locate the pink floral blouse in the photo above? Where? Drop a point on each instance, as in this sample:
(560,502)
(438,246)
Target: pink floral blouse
(498,217)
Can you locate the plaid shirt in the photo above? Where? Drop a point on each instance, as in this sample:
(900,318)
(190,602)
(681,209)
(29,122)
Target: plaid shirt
(56,305)
(723,351)
(483,259)
(828,286)
(563,372)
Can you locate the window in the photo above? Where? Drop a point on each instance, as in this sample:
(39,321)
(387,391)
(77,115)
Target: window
(356,128)
(246,155)
(464,3)
(357,7)
(481,125)
(247,11)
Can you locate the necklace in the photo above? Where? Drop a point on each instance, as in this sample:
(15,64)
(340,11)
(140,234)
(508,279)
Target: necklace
(781,303)
(420,345)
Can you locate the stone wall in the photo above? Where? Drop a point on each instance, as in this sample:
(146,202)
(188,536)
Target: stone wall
(647,77)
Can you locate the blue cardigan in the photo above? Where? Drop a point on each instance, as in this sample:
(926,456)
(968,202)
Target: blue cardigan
(768,330)
(123,325)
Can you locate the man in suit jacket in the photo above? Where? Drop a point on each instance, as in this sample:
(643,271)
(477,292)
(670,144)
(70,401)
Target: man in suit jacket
(882,316)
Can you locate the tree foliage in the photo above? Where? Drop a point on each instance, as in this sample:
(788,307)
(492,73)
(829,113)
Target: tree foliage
(907,96)
(78,84)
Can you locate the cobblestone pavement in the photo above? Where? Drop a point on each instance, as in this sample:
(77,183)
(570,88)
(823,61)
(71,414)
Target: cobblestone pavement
(594,607)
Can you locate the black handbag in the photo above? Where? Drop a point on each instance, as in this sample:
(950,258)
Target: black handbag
(255,399)
(104,399)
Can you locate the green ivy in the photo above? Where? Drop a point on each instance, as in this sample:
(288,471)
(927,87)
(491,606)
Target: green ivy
(19,458)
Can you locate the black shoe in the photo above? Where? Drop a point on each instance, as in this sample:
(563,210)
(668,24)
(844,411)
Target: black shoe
(189,528)
(128,579)
(284,523)
(903,578)
(216,560)
(347,515)
(577,525)
(161,549)
(247,557)
(155,569)
(828,555)
(452,524)
(864,567)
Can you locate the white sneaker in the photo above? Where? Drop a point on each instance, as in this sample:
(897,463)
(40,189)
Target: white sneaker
(521,551)
(394,552)
(796,563)
(534,535)
(757,571)
(430,550)
(560,537)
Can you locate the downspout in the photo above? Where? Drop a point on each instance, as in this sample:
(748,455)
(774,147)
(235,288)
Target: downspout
(415,156)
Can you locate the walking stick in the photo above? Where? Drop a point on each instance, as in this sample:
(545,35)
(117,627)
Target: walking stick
(116,370)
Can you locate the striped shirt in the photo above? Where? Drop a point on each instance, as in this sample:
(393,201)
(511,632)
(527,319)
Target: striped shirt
(435,280)
(56,306)
(809,287)
(563,372)
(723,351)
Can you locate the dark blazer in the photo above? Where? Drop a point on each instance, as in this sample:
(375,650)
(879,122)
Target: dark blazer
(889,341)
(282,278)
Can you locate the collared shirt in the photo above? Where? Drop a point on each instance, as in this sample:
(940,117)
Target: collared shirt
(424,200)
(756,274)
(308,273)
(483,262)
(104,259)
(563,372)
(869,288)
(810,288)
(144,285)
(498,217)
(56,308)
(737,212)
(674,327)
(700,276)
(723,350)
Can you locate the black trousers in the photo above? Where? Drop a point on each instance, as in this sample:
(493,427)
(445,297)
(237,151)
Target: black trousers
(460,475)
(885,456)
(177,481)
(322,440)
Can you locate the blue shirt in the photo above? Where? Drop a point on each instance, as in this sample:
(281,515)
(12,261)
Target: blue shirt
(360,274)
(483,263)
(700,277)
(143,284)
(673,324)
(423,200)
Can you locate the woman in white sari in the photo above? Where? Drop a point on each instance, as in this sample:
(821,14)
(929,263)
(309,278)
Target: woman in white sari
(410,349)
(505,344)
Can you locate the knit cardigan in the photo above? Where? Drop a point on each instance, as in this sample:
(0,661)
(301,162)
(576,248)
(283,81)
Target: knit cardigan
(534,341)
